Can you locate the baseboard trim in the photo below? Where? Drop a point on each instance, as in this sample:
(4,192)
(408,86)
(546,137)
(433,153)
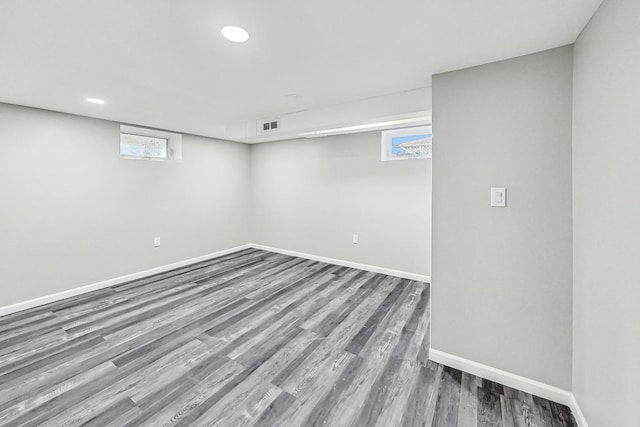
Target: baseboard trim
(509,379)
(343,263)
(25,305)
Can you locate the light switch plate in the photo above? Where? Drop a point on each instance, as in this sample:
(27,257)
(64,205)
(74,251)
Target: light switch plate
(498,197)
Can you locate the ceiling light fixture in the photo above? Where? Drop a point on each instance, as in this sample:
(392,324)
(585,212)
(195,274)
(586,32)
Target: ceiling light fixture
(365,127)
(235,34)
(96,101)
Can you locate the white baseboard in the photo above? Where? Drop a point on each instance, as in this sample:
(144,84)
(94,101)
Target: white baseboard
(111,282)
(342,263)
(518,382)
(24,305)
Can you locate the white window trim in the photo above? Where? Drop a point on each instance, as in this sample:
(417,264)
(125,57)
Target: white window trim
(174,144)
(387,139)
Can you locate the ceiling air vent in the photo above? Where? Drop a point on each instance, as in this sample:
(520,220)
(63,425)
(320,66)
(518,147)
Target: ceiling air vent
(268,126)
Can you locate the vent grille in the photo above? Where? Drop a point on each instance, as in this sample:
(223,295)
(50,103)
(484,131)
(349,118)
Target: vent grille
(268,126)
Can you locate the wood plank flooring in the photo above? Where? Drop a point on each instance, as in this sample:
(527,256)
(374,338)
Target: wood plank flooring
(251,338)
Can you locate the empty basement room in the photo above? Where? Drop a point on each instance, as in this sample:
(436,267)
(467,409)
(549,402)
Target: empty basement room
(319,213)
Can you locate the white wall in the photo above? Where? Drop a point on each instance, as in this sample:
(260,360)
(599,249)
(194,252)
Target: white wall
(606,178)
(502,279)
(311,195)
(73,213)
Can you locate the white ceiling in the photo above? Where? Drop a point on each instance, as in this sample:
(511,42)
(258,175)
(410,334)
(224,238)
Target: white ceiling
(163,63)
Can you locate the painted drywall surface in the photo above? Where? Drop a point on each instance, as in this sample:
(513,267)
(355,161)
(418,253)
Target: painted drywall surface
(502,277)
(606,173)
(312,195)
(74,213)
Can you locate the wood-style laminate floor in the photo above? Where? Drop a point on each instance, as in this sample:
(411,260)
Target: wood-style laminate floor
(250,338)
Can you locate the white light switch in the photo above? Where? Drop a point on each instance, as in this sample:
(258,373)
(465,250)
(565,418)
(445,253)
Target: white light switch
(499,197)
(156,242)
(355,239)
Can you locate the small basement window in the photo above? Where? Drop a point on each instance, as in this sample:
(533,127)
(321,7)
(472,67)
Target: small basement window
(408,143)
(143,146)
(149,144)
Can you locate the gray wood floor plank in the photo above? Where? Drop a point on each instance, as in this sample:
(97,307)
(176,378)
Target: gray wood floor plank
(331,321)
(489,408)
(358,342)
(207,310)
(262,305)
(98,354)
(317,381)
(27,323)
(149,308)
(281,365)
(68,399)
(248,338)
(447,406)
(393,407)
(421,341)
(12,372)
(354,282)
(124,417)
(374,404)
(421,404)
(98,396)
(241,406)
(28,403)
(294,310)
(96,307)
(525,410)
(288,308)
(10,353)
(37,348)
(468,410)
(408,343)
(383,367)
(111,413)
(337,340)
(262,372)
(176,408)
(272,415)
(386,339)
(363,389)
(508,419)
(197,411)
(279,277)
(493,387)
(87,322)
(324,407)
(562,416)
(544,409)
(237,258)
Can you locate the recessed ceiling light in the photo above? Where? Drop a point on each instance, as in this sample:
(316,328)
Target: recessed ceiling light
(235,34)
(95,101)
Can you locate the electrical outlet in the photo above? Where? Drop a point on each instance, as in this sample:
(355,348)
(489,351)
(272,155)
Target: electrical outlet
(355,239)
(156,242)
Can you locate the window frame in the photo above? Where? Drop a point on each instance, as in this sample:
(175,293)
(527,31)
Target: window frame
(174,143)
(387,136)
